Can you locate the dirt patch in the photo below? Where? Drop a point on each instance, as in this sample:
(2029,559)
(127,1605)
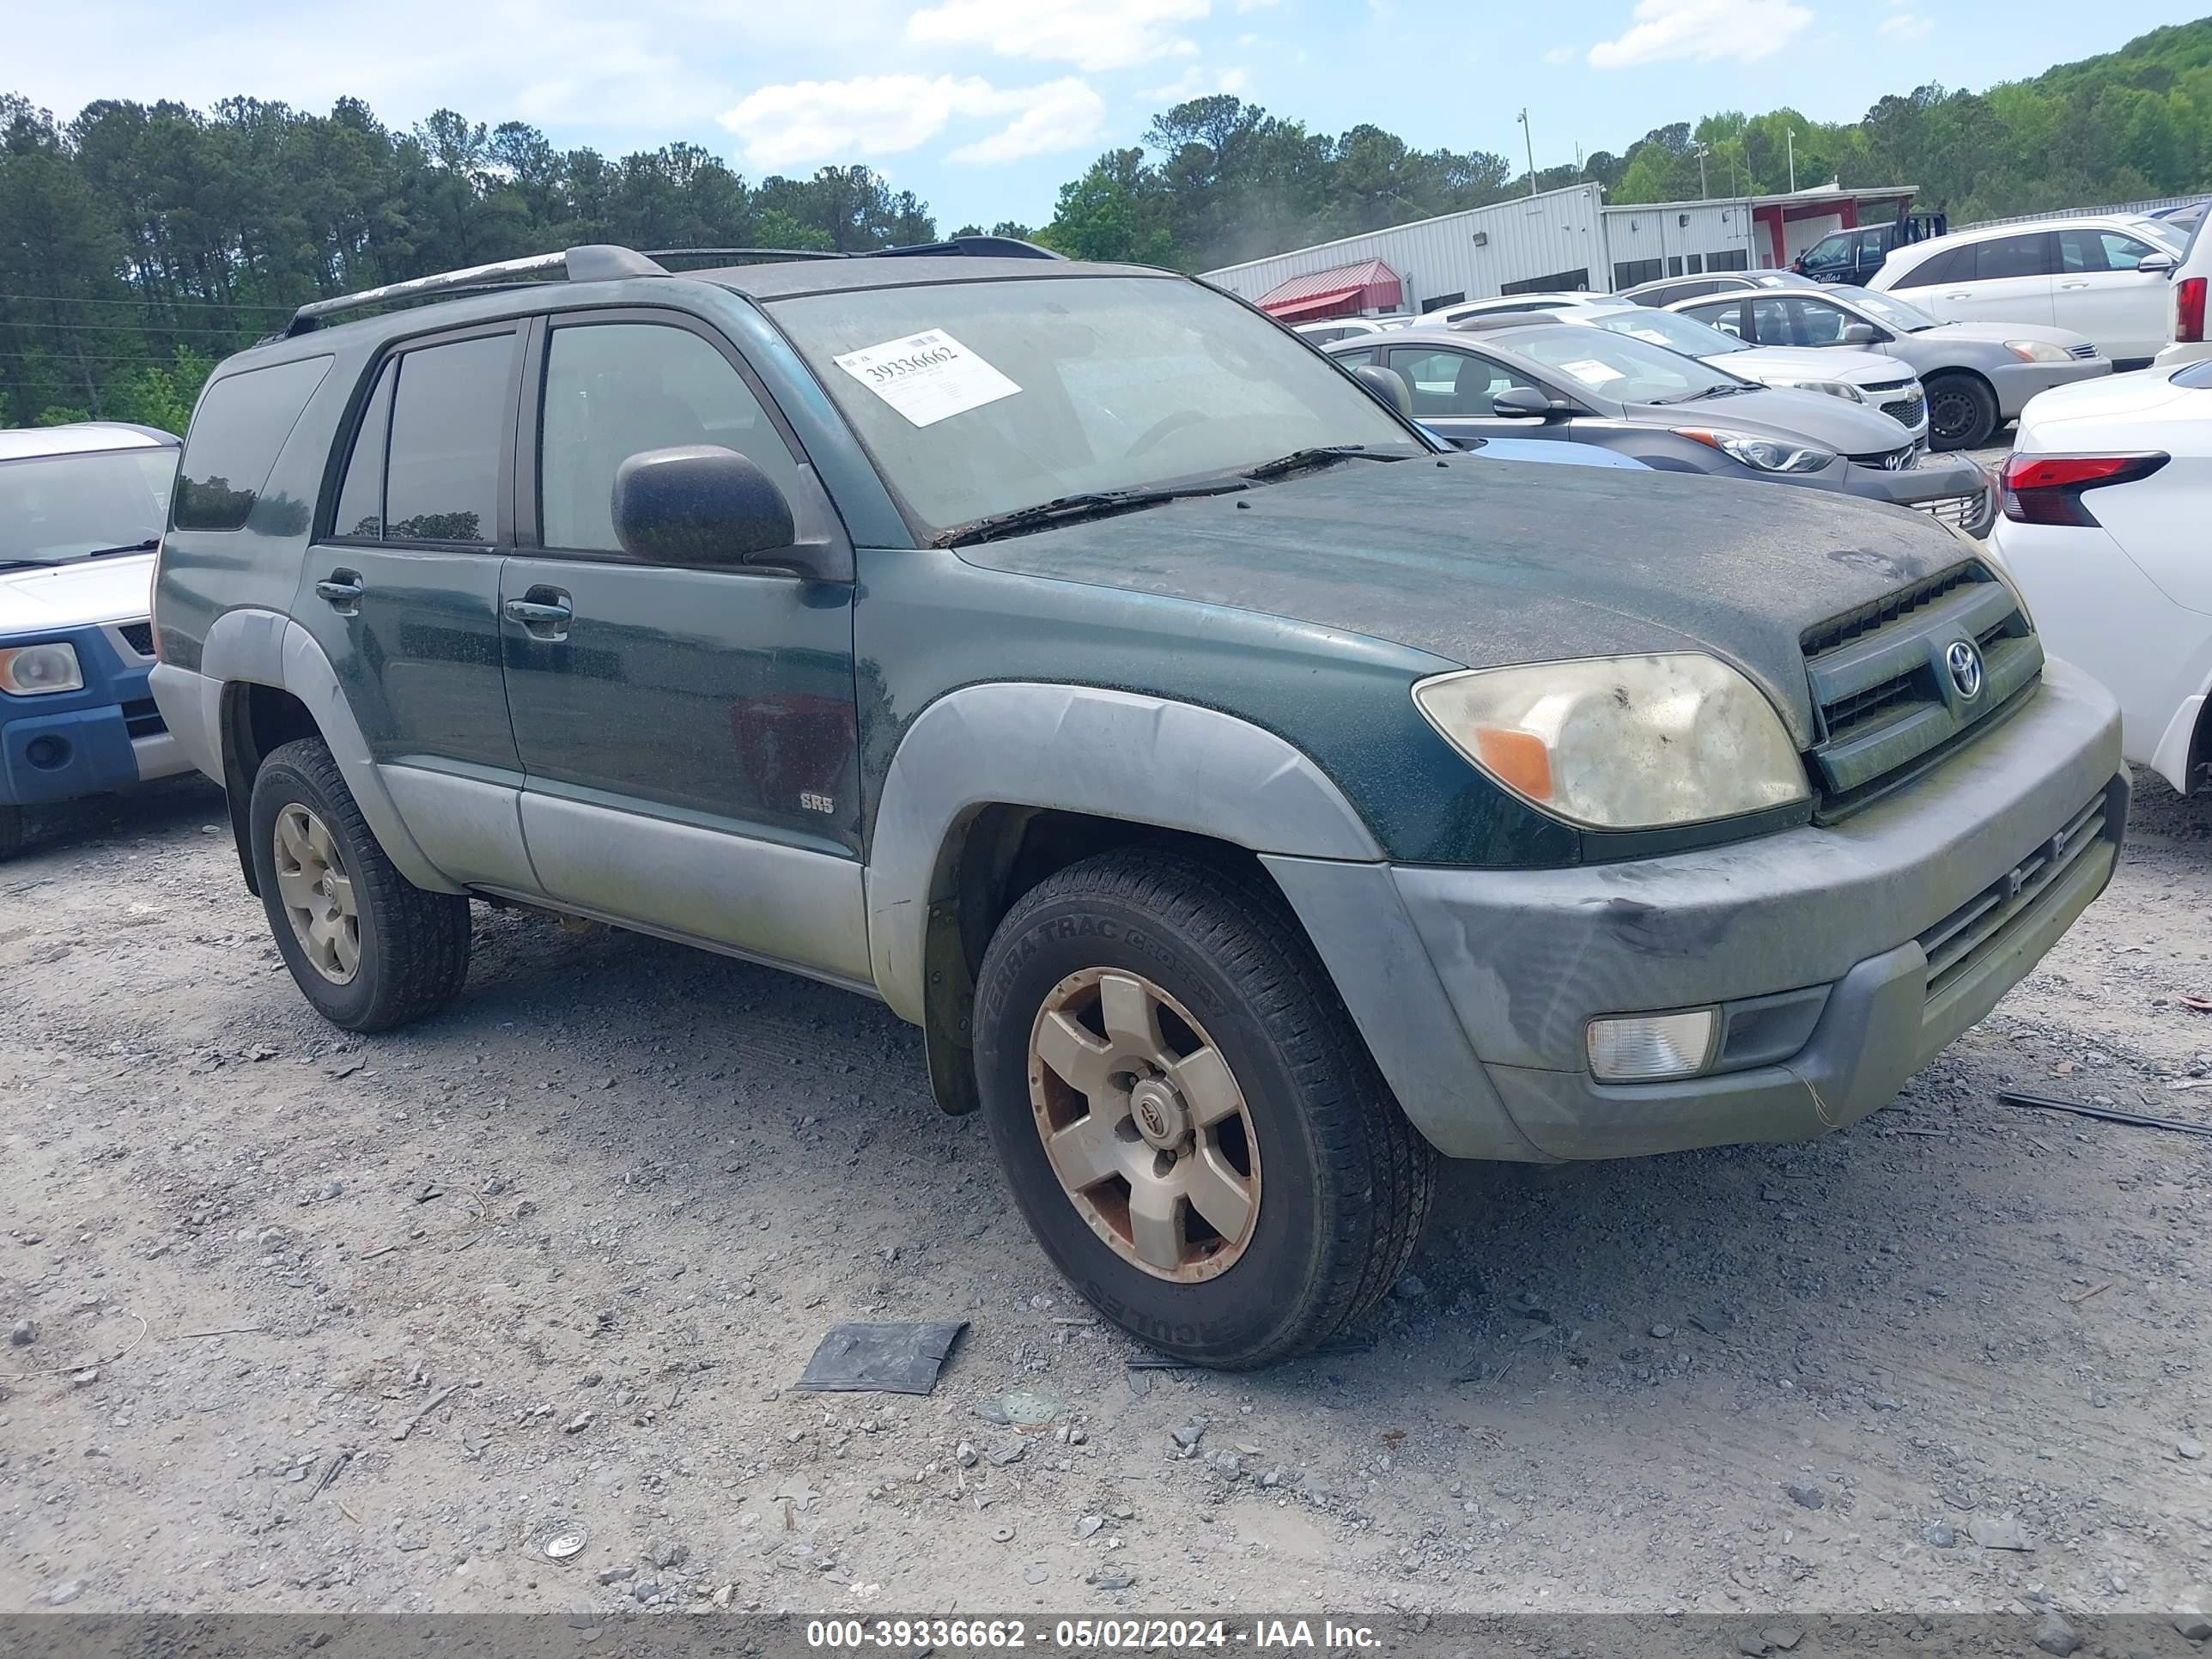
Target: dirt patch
(325,1324)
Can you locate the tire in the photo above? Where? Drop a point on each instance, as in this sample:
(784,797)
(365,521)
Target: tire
(1337,1182)
(1962,412)
(14,830)
(409,949)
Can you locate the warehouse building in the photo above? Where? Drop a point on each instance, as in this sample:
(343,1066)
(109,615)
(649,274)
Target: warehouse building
(1561,239)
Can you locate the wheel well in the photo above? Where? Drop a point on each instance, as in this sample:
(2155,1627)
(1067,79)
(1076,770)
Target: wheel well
(257,720)
(993,857)
(2200,749)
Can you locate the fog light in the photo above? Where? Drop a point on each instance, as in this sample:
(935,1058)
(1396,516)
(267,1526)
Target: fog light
(1640,1047)
(48,754)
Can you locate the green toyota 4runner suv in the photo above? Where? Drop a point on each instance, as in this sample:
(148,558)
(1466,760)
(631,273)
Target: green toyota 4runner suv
(1249,802)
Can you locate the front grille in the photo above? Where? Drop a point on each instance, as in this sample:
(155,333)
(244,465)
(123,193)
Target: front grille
(1907,412)
(1958,511)
(1903,459)
(1885,702)
(139,637)
(2083,351)
(142,719)
(1977,929)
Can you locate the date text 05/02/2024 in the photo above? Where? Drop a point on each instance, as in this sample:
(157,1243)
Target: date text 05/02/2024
(1140,1635)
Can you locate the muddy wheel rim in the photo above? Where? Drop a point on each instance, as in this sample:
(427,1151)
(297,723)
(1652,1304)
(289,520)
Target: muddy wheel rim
(317,894)
(1144,1125)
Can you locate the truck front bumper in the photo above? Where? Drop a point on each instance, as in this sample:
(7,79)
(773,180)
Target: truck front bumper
(1841,959)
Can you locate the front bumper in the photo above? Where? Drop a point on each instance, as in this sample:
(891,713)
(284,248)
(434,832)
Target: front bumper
(1950,488)
(1846,957)
(107,737)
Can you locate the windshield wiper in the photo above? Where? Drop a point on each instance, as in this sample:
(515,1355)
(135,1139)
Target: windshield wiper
(146,546)
(1086,504)
(1326,455)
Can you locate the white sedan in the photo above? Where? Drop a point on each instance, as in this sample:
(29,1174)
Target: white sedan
(2105,501)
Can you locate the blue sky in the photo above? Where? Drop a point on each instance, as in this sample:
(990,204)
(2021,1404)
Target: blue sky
(983,107)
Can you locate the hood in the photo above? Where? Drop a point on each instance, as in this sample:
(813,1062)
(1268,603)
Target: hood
(1848,428)
(53,596)
(1483,565)
(1998,333)
(1845,363)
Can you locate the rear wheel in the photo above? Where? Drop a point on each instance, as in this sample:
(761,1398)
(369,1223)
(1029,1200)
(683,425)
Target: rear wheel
(1189,1121)
(1962,412)
(366,945)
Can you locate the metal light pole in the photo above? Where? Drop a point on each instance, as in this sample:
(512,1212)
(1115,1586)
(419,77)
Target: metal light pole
(1702,192)
(1530,141)
(1790,135)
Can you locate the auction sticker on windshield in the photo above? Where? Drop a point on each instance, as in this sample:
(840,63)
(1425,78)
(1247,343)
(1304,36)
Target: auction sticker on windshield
(1591,372)
(926,377)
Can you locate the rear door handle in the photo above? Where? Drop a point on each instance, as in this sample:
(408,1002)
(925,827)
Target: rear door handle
(341,588)
(545,612)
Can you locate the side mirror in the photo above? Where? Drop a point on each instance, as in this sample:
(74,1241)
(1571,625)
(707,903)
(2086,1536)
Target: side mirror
(1860,334)
(2156,265)
(1389,387)
(699,505)
(1521,402)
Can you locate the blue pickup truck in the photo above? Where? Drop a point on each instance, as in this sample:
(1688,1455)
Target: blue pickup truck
(81,511)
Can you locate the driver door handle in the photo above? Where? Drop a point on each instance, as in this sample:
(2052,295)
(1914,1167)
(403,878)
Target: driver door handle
(533,613)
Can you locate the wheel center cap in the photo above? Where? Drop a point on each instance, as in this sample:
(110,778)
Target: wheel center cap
(1159,1113)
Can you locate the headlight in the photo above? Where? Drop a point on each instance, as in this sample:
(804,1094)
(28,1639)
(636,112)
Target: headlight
(1850,394)
(1621,743)
(1766,455)
(35,671)
(2038,351)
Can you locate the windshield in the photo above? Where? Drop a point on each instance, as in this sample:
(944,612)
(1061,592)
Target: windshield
(979,399)
(1890,312)
(55,508)
(1672,330)
(1614,366)
(2171,238)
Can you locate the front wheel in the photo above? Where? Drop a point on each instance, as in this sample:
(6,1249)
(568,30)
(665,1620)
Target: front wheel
(368,948)
(1962,412)
(1187,1117)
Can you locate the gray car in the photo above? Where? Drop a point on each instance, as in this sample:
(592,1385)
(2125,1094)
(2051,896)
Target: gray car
(1978,375)
(1522,377)
(1665,290)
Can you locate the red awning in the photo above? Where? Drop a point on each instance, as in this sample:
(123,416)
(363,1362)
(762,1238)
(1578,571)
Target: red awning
(1372,285)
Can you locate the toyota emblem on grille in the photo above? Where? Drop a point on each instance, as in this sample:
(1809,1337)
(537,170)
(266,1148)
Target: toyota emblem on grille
(1965,665)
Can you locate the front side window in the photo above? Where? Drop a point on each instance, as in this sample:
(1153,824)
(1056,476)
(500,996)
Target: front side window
(55,509)
(2099,250)
(616,389)
(442,480)
(1819,323)
(1829,251)
(1448,383)
(977,398)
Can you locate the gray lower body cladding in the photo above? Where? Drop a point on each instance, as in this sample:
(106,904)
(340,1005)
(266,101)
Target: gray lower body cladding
(1843,958)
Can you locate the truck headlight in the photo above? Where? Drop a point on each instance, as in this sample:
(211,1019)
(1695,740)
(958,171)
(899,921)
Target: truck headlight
(2038,351)
(1621,743)
(38,670)
(1764,454)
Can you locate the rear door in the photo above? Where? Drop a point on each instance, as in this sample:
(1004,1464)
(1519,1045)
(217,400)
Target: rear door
(687,734)
(402,591)
(2000,279)
(2101,293)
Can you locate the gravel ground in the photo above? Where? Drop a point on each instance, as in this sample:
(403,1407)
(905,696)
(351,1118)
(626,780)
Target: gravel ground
(322,1324)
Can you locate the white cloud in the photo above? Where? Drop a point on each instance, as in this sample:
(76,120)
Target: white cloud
(1233,80)
(1254,5)
(1703,30)
(875,115)
(1562,54)
(1092,35)
(1907,26)
(1193,83)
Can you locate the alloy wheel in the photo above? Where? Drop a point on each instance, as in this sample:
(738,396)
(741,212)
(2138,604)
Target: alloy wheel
(318,894)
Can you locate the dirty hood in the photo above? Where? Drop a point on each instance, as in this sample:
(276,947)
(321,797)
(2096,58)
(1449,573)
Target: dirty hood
(37,596)
(1483,565)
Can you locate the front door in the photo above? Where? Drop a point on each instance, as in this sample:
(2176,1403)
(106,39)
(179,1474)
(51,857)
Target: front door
(2100,292)
(688,735)
(1453,392)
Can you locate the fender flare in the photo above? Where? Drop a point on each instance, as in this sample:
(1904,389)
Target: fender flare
(265,647)
(1079,749)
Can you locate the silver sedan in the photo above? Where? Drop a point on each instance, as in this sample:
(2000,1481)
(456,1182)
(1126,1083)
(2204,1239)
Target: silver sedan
(1978,375)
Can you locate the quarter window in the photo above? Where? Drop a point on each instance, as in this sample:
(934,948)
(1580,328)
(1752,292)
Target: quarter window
(240,429)
(616,389)
(441,481)
(1951,265)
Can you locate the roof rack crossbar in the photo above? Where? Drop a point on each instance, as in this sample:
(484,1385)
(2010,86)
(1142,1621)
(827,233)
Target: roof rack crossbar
(596,262)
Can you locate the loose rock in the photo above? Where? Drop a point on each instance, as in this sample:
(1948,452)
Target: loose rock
(1993,1534)
(2193,1624)
(2054,1636)
(2190,1450)
(1807,1497)
(22,1333)
(1940,1534)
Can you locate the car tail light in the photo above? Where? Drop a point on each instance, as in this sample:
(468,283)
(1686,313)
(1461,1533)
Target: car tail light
(2189,311)
(153,616)
(2048,488)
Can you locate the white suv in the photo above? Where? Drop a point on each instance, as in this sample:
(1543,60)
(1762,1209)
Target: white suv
(2102,275)
(2184,309)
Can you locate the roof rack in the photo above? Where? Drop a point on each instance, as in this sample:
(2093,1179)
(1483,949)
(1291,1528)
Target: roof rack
(600,262)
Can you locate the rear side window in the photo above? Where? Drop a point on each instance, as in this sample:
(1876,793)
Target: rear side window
(449,412)
(361,497)
(237,433)
(2004,257)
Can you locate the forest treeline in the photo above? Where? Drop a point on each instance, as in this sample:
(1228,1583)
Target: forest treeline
(139,244)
